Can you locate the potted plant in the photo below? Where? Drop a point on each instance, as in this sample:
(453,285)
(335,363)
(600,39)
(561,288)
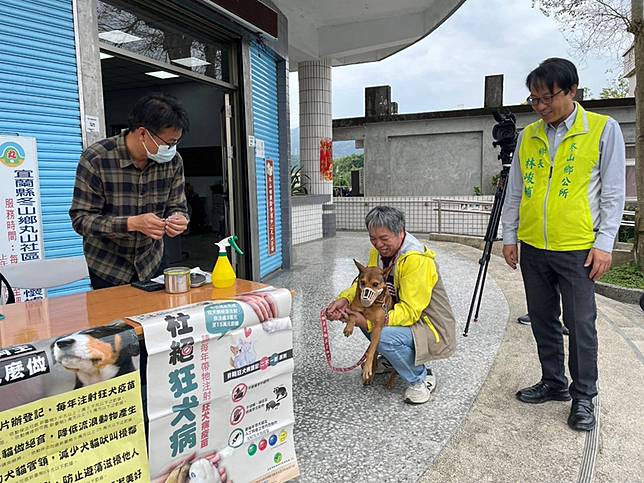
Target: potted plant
(298,181)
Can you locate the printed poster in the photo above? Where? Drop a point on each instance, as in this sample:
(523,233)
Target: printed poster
(21,234)
(219,390)
(72,409)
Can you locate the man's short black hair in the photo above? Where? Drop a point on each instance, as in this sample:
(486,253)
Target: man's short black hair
(553,71)
(157,112)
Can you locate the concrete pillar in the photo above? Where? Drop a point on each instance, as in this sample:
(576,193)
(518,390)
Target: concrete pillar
(377,101)
(89,69)
(493,91)
(316,128)
(580,94)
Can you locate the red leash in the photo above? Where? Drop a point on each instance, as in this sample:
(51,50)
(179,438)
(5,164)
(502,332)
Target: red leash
(327,348)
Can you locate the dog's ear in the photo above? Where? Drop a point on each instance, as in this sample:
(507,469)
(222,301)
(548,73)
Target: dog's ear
(359,265)
(128,343)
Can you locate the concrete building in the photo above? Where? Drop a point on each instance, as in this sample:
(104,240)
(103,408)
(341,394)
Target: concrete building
(629,69)
(448,153)
(330,33)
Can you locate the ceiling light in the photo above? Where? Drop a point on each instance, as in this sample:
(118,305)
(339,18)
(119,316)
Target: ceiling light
(105,56)
(190,61)
(162,74)
(118,37)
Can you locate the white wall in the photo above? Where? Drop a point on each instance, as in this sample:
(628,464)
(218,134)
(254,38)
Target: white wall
(306,223)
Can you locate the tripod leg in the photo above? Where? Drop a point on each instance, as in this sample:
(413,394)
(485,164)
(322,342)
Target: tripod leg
(490,237)
(478,305)
(475,296)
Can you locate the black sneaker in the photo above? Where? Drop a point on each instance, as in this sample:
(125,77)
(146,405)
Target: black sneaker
(524,319)
(383,366)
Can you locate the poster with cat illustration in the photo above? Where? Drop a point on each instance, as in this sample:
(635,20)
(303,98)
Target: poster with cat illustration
(219,390)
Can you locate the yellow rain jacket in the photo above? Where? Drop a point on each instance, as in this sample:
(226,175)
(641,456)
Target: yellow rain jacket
(422,300)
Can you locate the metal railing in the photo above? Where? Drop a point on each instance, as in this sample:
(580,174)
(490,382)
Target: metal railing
(628,222)
(462,215)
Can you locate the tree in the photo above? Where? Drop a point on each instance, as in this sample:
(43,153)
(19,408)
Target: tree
(610,26)
(618,90)
(342,168)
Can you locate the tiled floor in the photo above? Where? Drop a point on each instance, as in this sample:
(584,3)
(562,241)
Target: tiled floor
(347,432)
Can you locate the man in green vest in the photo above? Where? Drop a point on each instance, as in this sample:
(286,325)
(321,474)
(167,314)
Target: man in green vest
(564,203)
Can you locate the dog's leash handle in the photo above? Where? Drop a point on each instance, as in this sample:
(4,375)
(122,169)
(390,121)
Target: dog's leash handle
(327,348)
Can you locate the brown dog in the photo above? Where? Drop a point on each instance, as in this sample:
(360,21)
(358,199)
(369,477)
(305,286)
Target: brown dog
(374,302)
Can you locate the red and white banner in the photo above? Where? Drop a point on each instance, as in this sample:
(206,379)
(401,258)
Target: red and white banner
(270,207)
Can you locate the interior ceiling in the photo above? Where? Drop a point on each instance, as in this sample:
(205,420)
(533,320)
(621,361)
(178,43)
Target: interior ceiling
(120,73)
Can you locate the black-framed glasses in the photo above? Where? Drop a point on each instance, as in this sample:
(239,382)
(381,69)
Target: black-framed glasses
(547,99)
(164,141)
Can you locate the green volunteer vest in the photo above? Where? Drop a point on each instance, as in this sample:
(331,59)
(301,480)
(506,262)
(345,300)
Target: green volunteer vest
(555,212)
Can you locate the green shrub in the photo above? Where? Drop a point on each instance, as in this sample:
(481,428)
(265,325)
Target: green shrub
(625,276)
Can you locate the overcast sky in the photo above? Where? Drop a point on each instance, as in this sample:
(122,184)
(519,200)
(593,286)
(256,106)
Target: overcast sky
(447,69)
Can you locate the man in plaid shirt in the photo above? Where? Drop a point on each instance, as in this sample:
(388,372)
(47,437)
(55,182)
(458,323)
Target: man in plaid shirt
(129,193)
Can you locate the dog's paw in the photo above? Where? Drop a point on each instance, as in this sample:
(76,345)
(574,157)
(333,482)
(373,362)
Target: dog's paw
(367,376)
(391,382)
(348,331)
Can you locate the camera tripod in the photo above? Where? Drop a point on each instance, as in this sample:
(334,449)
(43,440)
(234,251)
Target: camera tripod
(505,132)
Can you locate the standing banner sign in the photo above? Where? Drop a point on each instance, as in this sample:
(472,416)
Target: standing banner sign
(219,389)
(270,206)
(21,234)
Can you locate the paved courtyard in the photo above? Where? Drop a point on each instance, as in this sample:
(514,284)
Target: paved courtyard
(472,429)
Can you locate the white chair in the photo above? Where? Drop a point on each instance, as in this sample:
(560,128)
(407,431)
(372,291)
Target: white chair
(48,273)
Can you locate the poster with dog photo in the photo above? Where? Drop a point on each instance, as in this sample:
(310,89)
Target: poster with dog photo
(219,390)
(30,372)
(76,395)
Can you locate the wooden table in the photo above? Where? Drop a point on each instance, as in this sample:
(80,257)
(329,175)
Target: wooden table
(54,317)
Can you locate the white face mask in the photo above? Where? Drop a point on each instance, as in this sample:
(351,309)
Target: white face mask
(164,154)
(368,296)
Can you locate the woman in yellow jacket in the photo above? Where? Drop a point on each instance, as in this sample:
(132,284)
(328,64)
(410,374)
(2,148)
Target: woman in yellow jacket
(421,325)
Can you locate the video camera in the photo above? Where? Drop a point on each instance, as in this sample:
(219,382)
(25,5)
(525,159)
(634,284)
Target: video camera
(505,134)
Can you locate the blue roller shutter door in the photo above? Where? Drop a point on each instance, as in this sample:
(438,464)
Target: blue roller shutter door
(39,97)
(266,127)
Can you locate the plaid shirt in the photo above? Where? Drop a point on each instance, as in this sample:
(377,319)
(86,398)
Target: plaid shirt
(108,190)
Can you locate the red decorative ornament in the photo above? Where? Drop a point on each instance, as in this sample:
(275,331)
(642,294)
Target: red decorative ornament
(326,159)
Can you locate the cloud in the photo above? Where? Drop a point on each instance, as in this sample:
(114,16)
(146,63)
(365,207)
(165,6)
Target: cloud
(446,70)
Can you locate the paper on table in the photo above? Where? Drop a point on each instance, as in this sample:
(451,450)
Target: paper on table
(160,278)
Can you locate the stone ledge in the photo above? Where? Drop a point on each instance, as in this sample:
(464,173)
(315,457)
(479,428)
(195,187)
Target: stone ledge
(615,292)
(621,294)
(301,200)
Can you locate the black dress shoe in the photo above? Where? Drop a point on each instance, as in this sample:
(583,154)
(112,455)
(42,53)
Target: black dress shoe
(542,392)
(582,416)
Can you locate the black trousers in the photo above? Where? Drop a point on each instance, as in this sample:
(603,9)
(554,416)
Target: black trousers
(549,276)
